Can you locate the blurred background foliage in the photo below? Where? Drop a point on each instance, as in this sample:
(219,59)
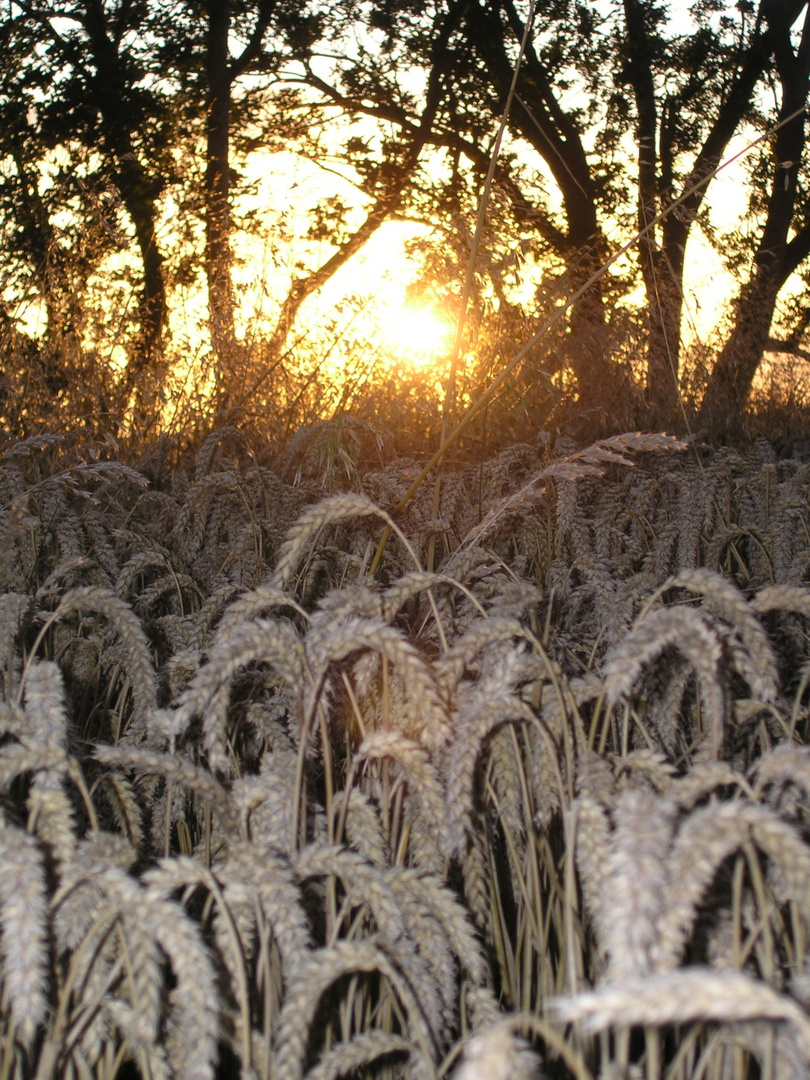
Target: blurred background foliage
(233,212)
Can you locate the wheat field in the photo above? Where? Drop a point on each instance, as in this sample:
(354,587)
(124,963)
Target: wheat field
(541,811)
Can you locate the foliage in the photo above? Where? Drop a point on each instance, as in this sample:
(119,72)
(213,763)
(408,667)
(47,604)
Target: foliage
(133,137)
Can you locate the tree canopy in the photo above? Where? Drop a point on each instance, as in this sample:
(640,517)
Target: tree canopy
(135,133)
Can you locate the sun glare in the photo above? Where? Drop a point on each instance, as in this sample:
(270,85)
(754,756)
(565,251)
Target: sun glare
(418,333)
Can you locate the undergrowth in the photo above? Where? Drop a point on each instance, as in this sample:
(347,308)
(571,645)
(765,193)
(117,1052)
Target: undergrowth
(540,811)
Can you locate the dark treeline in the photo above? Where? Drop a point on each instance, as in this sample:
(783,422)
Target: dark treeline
(127,129)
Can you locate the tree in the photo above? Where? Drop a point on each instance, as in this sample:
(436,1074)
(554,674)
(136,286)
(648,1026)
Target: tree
(162,105)
(83,72)
(692,91)
(778,254)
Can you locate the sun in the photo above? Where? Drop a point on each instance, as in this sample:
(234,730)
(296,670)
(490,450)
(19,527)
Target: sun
(419,333)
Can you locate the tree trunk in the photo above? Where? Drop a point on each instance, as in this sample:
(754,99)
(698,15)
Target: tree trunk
(217,200)
(539,118)
(662,266)
(723,408)
(139,191)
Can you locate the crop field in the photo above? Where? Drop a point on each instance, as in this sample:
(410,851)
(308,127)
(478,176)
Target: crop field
(511,782)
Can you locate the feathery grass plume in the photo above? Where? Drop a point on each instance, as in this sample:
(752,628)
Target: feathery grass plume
(424,796)
(353,1055)
(23,932)
(707,837)
(209,691)
(302,535)
(723,597)
(175,768)
(131,635)
(695,637)
(635,884)
(321,969)
(14,607)
(426,709)
(685,996)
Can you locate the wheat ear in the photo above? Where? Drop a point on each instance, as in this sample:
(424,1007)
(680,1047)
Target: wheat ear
(497,1053)
(251,604)
(354,1055)
(723,597)
(684,996)
(327,512)
(782,598)
(425,792)
(23,931)
(367,884)
(322,968)
(635,882)
(361,823)
(258,873)
(13,610)
(130,633)
(704,840)
(428,714)
(50,809)
(209,691)
(690,632)
(488,705)
(175,768)
(194,1003)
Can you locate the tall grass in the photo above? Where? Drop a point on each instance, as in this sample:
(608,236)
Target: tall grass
(265,814)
